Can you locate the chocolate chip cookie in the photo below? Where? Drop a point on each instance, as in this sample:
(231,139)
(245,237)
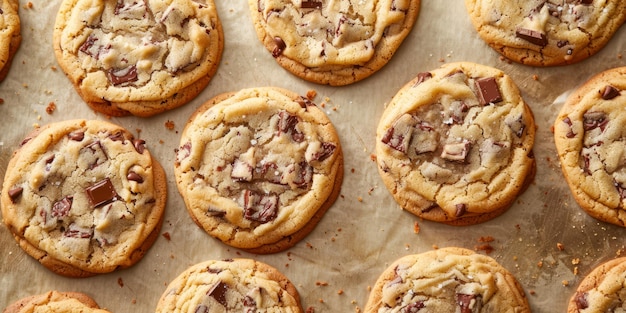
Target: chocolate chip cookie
(447,280)
(234,285)
(454,145)
(601,290)
(10,35)
(333,42)
(258,168)
(589,137)
(547,33)
(55,301)
(138,57)
(84,197)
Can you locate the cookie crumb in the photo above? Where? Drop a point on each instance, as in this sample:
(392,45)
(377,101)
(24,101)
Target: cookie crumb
(373,157)
(120,282)
(51,107)
(487,248)
(54,68)
(311,94)
(321,283)
(575,261)
(535,77)
(340,291)
(28,5)
(540,264)
(167,236)
(565,283)
(575,270)
(435,247)
(560,246)
(532,292)
(169,125)
(310,310)
(1,101)
(360,199)
(309,245)
(416,228)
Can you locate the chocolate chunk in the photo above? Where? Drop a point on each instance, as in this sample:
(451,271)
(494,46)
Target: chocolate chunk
(461,209)
(304,175)
(260,208)
(134,177)
(592,120)
(399,135)
(213,212)
(532,36)
(304,102)
(311,4)
(242,171)
(287,124)
(581,300)
(422,77)
(327,150)
(76,231)
(467,303)
(101,193)
(609,92)
(414,307)
(183,152)
(62,207)
(488,91)
(88,47)
(456,151)
(570,133)
(94,153)
(268,171)
(49,161)
(121,76)
(586,1)
(15,193)
(218,292)
(118,136)
(249,303)
(76,135)
(279,47)
(139,145)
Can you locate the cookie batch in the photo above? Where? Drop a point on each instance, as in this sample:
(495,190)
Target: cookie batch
(258,168)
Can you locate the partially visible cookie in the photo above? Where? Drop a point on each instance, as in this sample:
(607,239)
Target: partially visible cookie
(454,145)
(55,301)
(333,42)
(589,136)
(235,285)
(138,57)
(602,290)
(447,280)
(258,168)
(10,35)
(547,33)
(84,197)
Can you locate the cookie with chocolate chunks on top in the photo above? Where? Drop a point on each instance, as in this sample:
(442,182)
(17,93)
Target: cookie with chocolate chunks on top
(454,145)
(447,280)
(10,34)
(55,301)
(589,137)
(259,167)
(233,285)
(546,32)
(333,42)
(601,290)
(84,197)
(138,57)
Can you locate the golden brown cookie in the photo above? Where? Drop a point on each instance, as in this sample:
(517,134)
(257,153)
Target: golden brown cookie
(333,42)
(601,290)
(84,197)
(10,35)
(454,145)
(55,302)
(138,57)
(258,168)
(589,137)
(547,33)
(234,285)
(447,280)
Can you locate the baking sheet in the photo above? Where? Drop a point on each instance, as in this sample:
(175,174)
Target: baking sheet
(545,239)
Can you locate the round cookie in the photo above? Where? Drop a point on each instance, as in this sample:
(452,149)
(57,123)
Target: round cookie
(589,136)
(447,280)
(55,301)
(84,197)
(10,36)
(546,33)
(258,168)
(333,42)
(138,57)
(234,285)
(454,145)
(602,290)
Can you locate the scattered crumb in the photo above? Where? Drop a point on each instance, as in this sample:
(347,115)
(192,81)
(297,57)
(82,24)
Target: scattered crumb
(309,245)
(54,68)
(560,246)
(442,60)
(133,301)
(28,5)
(435,247)
(619,55)
(416,228)
(535,77)
(25,85)
(169,125)
(310,310)
(51,107)
(540,264)
(359,199)
(532,292)
(357,310)
(485,247)
(1,101)
(321,283)
(373,157)
(575,261)
(575,270)
(311,94)
(352,170)
(323,104)
(369,288)
(321,300)
(120,282)
(486,239)
(161,141)
(565,283)
(167,236)
(340,291)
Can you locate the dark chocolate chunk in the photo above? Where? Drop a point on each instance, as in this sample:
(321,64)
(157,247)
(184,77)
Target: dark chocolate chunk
(461,208)
(134,177)
(581,300)
(422,77)
(488,91)
(78,135)
(95,152)
(327,150)
(118,136)
(468,303)
(218,292)
(609,92)
(49,161)
(139,145)
(62,207)
(399,135)
(76,231)
(304,175)
(311,4)
(532,36)
(287,124)
(570,133)
(101,193)
(279,47)
(261,208)
(304,102)
(592,120)
(456,151)
(15,193)
(121,76)
(88,47)
(213,212)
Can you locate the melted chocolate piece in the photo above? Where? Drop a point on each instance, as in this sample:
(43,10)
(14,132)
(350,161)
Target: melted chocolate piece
(260,208)
(532,36)
(62,207)
(121,76)
(118,136)
(569,134)
(467,302)
(15,193)
(218,292)
(581,300)
(134,177)
(422,77)
(304,175)
(461,209)
(101,193)
(86,47)
(311,4)
(76,135)
(609,92)
(327,150)
(98,153)
(456,151)
(488,91)
(139,145)
(279,48)
(287,124)
(592,120)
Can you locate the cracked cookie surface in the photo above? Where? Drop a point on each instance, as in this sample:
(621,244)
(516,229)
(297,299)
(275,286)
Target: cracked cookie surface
(455,144)
(333,42)
(602,290)
(10,35)
(138,57)
(589,137)
(55,302)
(447,280)
(546,33)
(84,197)
(234,285)
(259,167)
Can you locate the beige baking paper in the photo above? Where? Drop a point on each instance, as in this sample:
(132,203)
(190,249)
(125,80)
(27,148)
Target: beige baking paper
(365,230)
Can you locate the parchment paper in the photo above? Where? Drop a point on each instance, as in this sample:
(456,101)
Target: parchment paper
(545,239)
